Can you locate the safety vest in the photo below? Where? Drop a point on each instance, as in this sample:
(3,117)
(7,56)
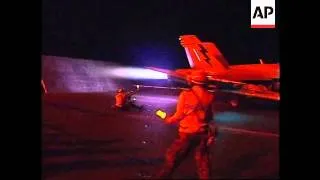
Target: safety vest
(120,99)
(196,104)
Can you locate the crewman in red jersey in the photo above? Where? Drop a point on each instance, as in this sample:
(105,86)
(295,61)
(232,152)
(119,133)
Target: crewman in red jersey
(193,113)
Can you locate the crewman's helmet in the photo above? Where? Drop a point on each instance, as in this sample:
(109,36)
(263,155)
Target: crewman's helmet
(120,90)
(197,77)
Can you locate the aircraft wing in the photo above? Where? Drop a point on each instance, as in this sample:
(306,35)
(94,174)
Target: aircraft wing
(274,96)
(225,81)
(160,87)
(269,96)
(241,88)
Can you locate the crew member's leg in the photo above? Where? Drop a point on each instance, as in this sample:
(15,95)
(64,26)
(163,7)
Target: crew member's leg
(202,158)
(174,155)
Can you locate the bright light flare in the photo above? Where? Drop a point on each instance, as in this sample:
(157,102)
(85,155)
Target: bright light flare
(137,73)
(44,87)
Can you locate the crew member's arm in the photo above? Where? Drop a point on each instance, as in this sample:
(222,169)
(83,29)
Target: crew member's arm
(210,114)
(212,122)
(178,115)
(130,93)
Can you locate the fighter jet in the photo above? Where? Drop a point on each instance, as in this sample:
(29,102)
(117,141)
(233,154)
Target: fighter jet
(244,79)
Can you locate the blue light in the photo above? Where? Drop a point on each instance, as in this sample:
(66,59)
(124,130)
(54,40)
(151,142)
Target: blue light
(231,117)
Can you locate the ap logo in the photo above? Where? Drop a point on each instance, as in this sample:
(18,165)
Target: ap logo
(263,14)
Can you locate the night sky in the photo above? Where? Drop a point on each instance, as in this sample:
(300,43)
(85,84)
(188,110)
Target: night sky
(145,33)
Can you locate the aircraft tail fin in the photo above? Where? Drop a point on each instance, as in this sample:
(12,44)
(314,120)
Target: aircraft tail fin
(203,55)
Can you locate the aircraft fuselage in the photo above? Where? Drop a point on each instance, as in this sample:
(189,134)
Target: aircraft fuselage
(263,72)
(249,72)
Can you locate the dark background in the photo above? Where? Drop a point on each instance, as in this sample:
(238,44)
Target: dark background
(145,33)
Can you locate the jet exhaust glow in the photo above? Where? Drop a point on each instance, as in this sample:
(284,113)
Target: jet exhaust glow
(63,74)
(136,73)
